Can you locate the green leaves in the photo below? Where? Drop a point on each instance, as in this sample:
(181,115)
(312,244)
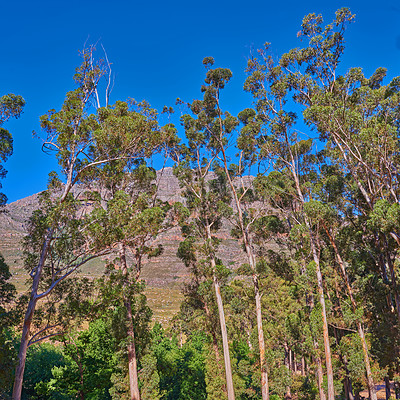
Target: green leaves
(11,106)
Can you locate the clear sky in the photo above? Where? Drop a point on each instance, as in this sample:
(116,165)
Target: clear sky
(157,48)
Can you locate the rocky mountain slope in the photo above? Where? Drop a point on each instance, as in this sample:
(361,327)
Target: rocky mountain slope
(165,271)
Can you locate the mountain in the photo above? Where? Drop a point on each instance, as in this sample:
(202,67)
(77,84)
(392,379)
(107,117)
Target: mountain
(165,271)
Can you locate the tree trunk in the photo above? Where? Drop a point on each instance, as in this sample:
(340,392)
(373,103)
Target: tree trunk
(327,346)
(360,328)
(227,359)
(348,390)
(387,388)
(19,372)
(319,374)
(250,256)
(320,377)
(288,395)
(221,314)
(313,245)
(261,343)
(132,360)
(303,366)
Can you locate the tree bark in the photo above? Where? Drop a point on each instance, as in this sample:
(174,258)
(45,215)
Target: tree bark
(132,359)
(257,295)
(288,394)
(360,328)
(327,346)
(227,359)
(19,372)
(313,245)
(221,314)
(261,342)
(387,388)
(320,377)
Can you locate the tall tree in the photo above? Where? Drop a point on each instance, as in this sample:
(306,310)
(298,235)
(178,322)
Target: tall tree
(133,217)
(207,202)
(219,126)
(64,240)
(344,109)
(11,106)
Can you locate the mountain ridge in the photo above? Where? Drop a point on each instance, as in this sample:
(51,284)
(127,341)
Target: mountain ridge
(163,271)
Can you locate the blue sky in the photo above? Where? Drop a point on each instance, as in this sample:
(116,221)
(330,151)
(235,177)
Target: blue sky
(157,49)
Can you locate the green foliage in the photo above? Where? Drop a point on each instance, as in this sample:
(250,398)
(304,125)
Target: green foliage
(41,360)
(11,106)
(89,361)
(180,370)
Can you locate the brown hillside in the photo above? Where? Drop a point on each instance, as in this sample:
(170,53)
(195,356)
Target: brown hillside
(165,271)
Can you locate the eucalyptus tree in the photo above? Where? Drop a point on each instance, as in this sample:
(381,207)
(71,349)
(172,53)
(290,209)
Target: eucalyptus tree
(294,261)
(362,138)
(11,106)
(133,217)
(270,87)
(64,234)
(346,110)
(206,204)
(220,128)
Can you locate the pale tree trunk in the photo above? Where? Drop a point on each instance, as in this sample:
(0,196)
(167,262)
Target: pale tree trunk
(360,328)
(221,314)
(257,295)
(288,394)
(261,342)
(319,374)
(320,377)
(19,372)
(227,359)
(327,347)
(132,359)
(214,337)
